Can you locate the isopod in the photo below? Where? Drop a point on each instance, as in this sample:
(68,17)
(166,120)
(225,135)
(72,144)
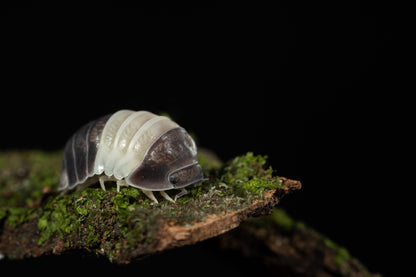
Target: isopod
(132,148)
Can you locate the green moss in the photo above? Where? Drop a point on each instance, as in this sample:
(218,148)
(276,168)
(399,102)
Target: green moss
(258,185)
(3,213)
(208,163)
(17,215)
(342,254)
(24,174)
(246,174)
(57,217)
(128,199)
(243,168)
(281,218)
(92,237)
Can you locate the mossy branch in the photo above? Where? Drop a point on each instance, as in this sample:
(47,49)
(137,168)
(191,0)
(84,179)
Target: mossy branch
(125,225)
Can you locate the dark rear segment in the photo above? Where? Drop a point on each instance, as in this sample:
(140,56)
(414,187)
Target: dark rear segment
(80,152)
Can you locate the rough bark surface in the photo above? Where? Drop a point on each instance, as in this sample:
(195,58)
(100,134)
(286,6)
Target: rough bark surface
(173,235)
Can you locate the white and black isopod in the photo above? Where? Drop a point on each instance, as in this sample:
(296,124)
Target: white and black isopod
(137,149)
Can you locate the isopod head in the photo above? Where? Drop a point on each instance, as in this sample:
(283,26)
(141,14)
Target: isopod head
(170,163)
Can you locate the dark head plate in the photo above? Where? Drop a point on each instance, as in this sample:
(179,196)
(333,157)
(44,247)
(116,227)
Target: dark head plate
(171,162)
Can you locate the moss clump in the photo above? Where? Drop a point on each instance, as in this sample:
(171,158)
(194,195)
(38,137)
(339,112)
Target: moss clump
(57,216)
(247,174)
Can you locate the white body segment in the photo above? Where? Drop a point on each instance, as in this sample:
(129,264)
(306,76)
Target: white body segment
(125,139)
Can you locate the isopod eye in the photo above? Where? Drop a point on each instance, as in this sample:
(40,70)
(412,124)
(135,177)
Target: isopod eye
(186,175)
(173,180)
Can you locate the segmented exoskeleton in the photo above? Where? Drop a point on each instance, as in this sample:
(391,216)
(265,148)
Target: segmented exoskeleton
(138,149)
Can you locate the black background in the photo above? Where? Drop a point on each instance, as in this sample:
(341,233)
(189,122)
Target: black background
(313,86)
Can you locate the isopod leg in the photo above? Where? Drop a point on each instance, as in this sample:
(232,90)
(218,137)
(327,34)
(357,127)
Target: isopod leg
(180,194)
(166,196)
(121,183)
(102,179)
(149,194)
